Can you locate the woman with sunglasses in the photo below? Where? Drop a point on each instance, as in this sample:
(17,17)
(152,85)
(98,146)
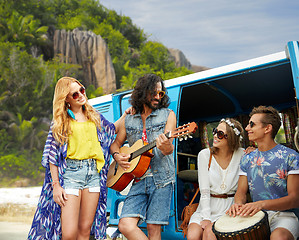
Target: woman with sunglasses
(218,169)
(76,157)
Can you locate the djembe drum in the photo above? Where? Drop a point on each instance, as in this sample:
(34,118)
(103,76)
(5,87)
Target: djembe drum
(254,227)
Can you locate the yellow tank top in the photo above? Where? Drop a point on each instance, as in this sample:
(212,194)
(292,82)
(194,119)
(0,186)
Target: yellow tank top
(84,144)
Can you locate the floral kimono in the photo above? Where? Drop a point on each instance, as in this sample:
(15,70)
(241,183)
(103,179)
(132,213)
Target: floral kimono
(46,222)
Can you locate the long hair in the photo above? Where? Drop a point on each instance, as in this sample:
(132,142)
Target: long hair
(234,140)
(144,86)
(61,119)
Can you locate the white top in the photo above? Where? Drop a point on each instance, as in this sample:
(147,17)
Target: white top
(215,181)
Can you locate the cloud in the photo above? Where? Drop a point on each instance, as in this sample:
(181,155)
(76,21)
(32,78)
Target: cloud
(215,32)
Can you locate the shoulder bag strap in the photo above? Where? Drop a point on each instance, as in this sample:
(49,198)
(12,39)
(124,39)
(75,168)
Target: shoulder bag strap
(194,196)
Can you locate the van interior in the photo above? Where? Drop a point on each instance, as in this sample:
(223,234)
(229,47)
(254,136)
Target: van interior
(233,95)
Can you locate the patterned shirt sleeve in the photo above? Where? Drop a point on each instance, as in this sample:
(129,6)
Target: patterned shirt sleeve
(243,164)
(293,163)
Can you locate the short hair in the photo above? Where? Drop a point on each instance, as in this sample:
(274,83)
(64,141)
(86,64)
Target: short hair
(144,86)
(270,116)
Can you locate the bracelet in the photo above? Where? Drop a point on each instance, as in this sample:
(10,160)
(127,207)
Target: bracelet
(114,154)
(54,182)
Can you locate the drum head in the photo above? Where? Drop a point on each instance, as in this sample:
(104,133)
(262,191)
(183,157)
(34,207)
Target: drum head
(231,224)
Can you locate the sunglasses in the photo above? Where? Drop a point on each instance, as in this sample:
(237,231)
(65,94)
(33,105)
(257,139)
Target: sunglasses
(76,94)
(220,134)
(161,93)
(251,124)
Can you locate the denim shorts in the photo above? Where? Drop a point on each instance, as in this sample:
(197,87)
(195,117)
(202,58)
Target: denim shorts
(148,203)
(81,174)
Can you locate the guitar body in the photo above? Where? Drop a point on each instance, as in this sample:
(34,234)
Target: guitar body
(140,158)
(139,165)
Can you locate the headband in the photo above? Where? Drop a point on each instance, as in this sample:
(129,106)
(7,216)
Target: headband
(229,123)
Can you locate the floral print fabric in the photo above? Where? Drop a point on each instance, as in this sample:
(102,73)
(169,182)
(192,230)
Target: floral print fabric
(267,171)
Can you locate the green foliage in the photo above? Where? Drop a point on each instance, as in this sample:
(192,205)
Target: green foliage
(124,25)
(280,136)
(117,43)
(5,140)
(92,92)
(21,166)
(26,92)
(25,31)
(157,56)
(128,81)
(177,72)
(27,83)
(27,80)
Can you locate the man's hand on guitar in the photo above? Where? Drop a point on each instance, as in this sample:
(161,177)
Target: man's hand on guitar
(122,160)
(164,144)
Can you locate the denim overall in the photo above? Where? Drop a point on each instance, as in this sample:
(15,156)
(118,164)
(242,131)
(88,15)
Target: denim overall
(162,166)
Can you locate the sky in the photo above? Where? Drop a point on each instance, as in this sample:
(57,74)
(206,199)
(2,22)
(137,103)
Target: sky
(214,33)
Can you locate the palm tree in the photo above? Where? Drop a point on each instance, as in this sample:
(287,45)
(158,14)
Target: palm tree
(23,30)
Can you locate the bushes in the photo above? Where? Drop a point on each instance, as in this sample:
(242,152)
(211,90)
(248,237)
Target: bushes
(15,166)
(27,80)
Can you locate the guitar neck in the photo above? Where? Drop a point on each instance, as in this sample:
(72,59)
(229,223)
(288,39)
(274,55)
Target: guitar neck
(142,150)
(146,148)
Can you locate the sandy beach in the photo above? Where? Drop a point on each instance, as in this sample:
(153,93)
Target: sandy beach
(14,230)
(17,207)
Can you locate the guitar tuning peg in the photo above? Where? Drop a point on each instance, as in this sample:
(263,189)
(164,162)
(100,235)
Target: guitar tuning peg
(186,137)
(180,139)
(190,136)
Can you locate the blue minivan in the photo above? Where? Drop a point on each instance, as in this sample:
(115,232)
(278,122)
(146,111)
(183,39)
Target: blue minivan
(205,98)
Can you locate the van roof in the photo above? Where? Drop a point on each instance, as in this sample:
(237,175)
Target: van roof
(235,67)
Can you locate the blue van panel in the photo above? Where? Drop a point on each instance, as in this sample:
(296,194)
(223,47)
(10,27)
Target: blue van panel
(293,51)
(210,95)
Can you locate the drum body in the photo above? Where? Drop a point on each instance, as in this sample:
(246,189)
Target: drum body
(243,228)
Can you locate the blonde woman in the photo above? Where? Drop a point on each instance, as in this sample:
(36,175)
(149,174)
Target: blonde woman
(76,156)
(218,178)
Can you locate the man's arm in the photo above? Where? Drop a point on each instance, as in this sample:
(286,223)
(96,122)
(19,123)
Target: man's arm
(240,196)
(121,136)
(279,204)
(118,123)
(162,142)
(289,201)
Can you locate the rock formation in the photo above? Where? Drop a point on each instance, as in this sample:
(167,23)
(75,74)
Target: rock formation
(179,58)
(181,61)
(91,52)
(196,68)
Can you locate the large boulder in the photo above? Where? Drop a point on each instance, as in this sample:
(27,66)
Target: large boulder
(181,61)
(179,58)
(91,52)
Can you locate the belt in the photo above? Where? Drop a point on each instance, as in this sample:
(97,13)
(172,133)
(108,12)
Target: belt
(222,195)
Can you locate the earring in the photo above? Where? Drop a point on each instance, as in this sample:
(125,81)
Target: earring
(68,105)
(70,113)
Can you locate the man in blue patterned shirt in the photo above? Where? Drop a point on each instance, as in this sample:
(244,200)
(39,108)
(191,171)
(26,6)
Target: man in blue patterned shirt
(271,173)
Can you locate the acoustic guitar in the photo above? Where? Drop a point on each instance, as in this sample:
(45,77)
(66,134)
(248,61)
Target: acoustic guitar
(140,158)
